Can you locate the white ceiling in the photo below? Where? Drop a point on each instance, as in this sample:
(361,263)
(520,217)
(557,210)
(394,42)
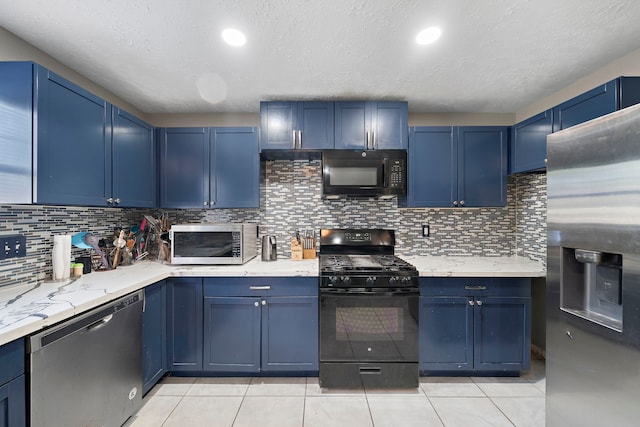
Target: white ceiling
(495,56)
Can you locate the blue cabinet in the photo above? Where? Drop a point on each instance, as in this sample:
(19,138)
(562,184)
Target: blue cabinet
(72,143)
(66,146)
(261,324)
(291,125)
(13,410)
(203,168)
(457,166)
(154,335)
(475,324)
(529,143)
(133,165)
(529,137)
(371,125)
(184,324)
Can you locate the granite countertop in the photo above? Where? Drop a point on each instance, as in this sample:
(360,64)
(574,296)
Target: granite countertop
(27,308)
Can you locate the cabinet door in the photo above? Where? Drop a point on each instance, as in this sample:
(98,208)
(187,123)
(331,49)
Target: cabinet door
(13,412)
(352,124)
(184,168)
(589,105)
(482,166)
(133,161)
(446,334)
(184,324)
(433,167)
(529,143)
(502,333)
(232,334)
(277,123)
(290,334)
(389,124)
(315,120)
(16,111)
(73,154)
(235,168)
(154,332)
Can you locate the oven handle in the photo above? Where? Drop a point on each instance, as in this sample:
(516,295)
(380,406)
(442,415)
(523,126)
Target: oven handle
(371,291)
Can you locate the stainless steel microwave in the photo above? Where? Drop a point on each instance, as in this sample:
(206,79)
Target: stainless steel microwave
(358,173)
(209,243)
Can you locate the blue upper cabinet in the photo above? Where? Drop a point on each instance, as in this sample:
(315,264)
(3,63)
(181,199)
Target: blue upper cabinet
(16,105)
(209,168)
(371,125)
(482,166)
(529,143)
(235,168)
(66,146)
(291,125)
(133,166)
(184,163)
(73,143)
(457,166)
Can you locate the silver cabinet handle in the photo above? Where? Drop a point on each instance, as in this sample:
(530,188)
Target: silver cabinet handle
(373,140)
(260,288)
(206,203)
(117,201)
(569,334)
(264,302)
(461,202)
(455,203)
(368,140)
(300,139)
(257,304)
(479,302)
(212,202)
(471,302)
(545,161)
(475,288)
(110,200)
(293,138)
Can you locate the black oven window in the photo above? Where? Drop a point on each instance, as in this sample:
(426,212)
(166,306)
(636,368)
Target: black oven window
(369,323)
(350,176)
(204,244)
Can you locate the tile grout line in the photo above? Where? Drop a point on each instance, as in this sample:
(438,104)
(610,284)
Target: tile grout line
(235,418)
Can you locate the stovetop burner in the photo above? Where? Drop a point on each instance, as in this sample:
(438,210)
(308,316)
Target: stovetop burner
(365,264)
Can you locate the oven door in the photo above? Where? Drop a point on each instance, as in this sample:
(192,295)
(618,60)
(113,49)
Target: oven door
(369,325)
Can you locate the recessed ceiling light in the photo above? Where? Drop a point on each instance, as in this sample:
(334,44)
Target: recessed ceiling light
(428,35)
(234,37)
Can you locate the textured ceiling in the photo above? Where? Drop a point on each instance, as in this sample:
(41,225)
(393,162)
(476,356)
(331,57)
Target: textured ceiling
(494,56)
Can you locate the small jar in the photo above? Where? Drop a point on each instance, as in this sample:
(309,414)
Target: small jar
(77,269)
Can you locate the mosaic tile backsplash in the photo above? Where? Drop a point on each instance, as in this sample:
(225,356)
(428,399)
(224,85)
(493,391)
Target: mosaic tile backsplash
(291,199)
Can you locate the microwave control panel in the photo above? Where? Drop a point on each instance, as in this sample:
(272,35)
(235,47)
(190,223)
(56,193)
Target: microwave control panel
(236,245)
(397,173)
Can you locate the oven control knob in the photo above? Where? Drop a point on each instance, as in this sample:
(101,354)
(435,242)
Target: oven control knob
(346,280)
(406,281)
(333,280)
(393,281)
(370,281)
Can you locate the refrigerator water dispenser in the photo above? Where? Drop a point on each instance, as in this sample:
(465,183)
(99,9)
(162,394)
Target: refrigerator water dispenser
(591,286)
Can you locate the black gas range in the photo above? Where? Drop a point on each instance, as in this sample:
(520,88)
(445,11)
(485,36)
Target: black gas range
(368,311)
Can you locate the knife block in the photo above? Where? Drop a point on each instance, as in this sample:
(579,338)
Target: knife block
(310,252)
(296,250)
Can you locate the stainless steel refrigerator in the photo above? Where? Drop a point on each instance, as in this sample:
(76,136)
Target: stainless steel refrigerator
(593,276)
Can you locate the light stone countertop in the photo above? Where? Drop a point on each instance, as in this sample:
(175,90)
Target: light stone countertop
(27,308)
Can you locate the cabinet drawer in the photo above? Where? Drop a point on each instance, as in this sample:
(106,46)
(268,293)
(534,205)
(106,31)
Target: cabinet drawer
(260,286)
(11,360)
(471,286)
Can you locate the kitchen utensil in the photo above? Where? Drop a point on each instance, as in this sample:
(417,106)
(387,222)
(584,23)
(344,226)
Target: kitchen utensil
(92,241)
(118,244)
(78,241)
(269,248)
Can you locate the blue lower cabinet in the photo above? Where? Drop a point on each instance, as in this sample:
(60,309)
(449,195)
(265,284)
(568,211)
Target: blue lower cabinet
(261,324)
(184,324)
(290,334)
(13,403)
(475,325)
(154,333)
(232,334)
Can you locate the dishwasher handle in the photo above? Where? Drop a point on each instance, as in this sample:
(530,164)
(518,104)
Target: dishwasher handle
(100,323)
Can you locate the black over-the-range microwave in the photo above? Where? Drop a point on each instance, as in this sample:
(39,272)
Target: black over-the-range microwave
(369,173)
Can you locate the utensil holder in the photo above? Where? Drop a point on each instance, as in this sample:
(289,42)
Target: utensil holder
(309,251)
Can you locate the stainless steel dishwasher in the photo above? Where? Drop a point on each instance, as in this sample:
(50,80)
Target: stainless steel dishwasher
(88,371)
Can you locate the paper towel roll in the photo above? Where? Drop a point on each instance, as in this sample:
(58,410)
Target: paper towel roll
(61,257)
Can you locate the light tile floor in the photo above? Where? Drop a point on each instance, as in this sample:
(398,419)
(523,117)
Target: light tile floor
(296,402)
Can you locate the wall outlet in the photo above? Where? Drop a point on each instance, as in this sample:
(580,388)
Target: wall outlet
(14,246)
(426,230)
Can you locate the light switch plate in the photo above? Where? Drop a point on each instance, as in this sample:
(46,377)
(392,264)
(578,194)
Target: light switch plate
(13,246)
